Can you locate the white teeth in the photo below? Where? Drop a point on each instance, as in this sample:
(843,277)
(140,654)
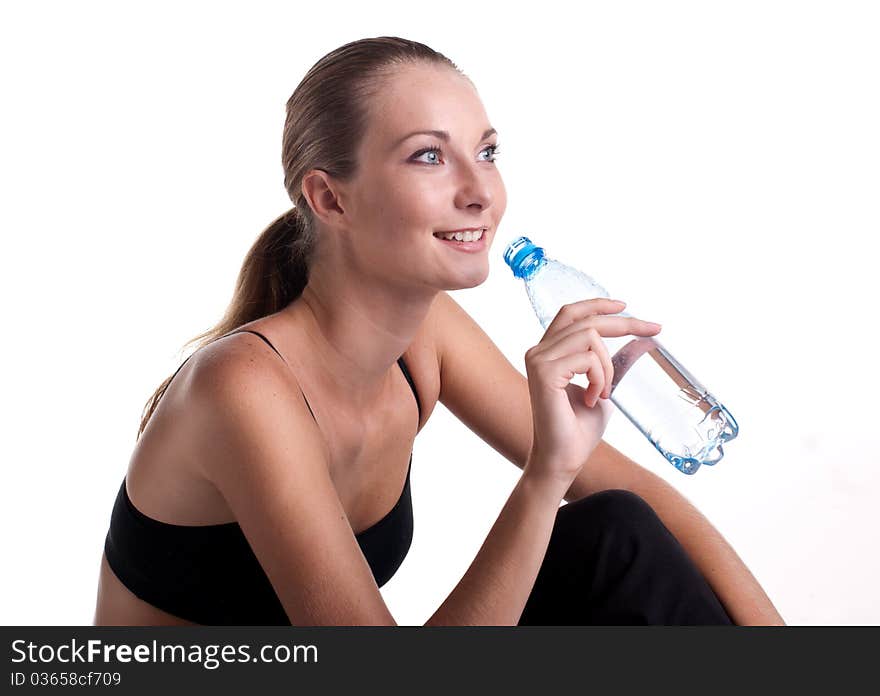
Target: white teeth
(469,236)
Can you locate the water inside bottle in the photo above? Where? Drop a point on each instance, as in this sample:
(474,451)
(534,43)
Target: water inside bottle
(696,422)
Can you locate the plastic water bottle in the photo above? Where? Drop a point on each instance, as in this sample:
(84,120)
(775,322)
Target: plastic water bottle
(654,391)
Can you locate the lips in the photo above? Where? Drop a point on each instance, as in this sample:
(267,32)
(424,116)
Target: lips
(470,232)
(474,246)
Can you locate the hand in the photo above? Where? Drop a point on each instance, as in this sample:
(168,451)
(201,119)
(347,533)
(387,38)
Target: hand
(568,421)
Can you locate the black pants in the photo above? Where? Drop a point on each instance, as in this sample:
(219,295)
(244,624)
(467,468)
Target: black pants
(612,561)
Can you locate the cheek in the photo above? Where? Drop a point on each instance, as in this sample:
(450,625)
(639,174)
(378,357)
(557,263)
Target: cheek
(417,207)
(500,195)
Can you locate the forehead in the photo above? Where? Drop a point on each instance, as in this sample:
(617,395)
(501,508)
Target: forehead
(425,97)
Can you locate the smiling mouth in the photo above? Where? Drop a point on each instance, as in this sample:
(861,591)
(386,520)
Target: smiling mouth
(470,236)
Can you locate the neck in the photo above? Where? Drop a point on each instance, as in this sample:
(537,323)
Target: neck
(356,331)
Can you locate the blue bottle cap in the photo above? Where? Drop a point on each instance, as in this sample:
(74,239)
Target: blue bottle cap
(523,256)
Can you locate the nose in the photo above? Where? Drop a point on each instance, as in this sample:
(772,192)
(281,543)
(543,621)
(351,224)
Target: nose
(473,187)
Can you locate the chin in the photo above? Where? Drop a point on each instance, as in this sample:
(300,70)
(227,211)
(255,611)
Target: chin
(475,280)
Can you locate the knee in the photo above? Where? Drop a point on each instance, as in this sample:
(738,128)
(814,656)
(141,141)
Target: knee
(620,509)
(617,503)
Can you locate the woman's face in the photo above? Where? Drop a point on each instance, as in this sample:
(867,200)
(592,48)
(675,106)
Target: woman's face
(405,192)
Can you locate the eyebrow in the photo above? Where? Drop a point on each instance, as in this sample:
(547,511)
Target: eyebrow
(443,135)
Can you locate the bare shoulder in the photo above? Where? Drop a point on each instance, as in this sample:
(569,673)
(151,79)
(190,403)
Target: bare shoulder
(240,381)
(242,385)
(476,377)
(239,353)
(266,457)
(431,336)
(443,332)
(447,320)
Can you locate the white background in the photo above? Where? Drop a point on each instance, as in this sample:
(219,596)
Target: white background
(714,164)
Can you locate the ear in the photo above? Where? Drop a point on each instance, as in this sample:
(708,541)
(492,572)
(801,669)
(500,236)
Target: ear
(323,194)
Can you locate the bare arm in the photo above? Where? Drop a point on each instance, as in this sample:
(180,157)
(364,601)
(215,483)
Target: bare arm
(496,586)
(476,377)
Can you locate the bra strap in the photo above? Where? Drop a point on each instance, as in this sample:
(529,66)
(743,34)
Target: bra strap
(280,356)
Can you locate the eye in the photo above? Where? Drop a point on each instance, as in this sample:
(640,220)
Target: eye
(428,150)
(495,150)
(435,149)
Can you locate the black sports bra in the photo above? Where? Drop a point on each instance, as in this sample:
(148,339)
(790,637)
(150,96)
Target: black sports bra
(209,574)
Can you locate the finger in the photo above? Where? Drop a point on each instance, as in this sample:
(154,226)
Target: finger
(607,366)
(579,310)
(619,326)
(573,342)
(574,348)
(581,363)
(583,339)
(607,326)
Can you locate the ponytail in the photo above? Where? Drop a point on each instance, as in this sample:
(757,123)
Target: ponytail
(275,269)
(273,274)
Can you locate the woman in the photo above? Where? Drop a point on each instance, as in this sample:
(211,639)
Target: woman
(265,487)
